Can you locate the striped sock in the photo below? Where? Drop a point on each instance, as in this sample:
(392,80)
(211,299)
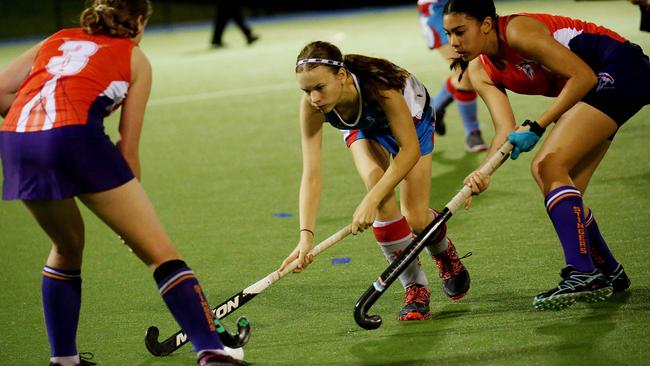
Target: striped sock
(564,207)
(61,291)
(393,237)
(184,297)
(466,104)
(443,97)
(600,253)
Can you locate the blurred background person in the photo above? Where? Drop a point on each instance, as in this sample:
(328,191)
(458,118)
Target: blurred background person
(644,6)
(224,11)
(455,88)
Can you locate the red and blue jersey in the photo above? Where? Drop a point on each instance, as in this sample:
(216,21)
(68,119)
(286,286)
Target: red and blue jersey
(371,122)
(372,117)
(591,42)
(430,12)
(76,79)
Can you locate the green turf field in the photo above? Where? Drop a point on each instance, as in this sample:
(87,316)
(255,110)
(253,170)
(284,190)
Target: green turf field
(221,155)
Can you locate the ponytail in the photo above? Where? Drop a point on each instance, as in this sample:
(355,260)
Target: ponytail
(377,74)
(115,18)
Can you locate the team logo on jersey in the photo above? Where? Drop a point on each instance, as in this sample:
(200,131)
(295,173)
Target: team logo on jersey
(605,81)
(527,68)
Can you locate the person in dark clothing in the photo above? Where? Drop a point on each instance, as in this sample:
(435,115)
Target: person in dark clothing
(644,6)
(224,11)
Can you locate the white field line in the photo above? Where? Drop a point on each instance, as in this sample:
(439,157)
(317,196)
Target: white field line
(220,94)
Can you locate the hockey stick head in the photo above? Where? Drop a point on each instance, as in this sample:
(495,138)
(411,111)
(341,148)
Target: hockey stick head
(151,342)
(361,316)
(234,340)
(231,340)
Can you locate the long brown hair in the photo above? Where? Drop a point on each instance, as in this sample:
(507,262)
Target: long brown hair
(377,74)
(115,18)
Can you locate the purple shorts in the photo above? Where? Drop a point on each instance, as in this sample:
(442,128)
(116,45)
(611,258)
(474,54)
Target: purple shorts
(623,80)
(60,163)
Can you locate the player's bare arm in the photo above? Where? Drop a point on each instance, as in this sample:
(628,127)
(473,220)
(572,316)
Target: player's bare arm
(401,124)
(132,116)
(13,75)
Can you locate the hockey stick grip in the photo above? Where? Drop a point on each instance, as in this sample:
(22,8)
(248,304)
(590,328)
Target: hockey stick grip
(273,277)
(487,169)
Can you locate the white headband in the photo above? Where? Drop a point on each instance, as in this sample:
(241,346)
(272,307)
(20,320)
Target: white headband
(320,61)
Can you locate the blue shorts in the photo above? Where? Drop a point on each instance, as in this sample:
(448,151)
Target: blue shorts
(431,24)
(623,82)
(424,129)
(60,163)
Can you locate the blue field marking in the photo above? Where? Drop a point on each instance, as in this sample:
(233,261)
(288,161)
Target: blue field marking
(343,260)
(282,215)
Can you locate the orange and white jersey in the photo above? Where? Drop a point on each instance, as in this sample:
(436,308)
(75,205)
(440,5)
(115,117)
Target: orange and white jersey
(76,79)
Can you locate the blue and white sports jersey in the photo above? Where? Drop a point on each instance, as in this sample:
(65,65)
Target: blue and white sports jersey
(372,123)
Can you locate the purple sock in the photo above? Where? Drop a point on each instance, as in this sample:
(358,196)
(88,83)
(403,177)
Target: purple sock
(61,291)
(184,297)
(600,253)
(564,207)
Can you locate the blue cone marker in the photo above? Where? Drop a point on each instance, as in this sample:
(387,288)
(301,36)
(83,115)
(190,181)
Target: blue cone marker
(282,215)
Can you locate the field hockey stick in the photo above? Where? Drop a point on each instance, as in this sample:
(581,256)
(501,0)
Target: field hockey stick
(417,245)
(178,339)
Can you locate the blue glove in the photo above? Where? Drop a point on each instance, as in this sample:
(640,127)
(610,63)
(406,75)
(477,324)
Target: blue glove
(522,141)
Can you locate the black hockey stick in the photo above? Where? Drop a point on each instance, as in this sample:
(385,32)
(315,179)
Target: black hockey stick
(417,245)
(178,339)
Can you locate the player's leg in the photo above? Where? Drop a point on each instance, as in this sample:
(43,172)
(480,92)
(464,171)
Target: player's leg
(579,134)
(238,18)
(431,26)
(445,94)
(128,211)
(463,94)
(220,21)
(465,98)
(61,276)
(601,255)
(414,194)
(391,229)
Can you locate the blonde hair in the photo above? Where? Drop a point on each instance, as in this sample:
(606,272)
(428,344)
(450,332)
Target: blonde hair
(115,18)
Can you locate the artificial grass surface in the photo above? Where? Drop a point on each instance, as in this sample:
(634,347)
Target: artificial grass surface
(221,155)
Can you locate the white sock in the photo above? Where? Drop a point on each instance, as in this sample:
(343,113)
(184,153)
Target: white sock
(66,361)
(393,237)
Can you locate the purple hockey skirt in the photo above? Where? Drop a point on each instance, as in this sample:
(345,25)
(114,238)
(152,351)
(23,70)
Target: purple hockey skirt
(60,163)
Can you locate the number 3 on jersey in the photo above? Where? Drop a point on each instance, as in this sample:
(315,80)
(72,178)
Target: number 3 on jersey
(74,59)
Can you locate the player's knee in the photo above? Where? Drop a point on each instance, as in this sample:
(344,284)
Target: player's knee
(417,221)
(372,177)
(69,246)
(544,169)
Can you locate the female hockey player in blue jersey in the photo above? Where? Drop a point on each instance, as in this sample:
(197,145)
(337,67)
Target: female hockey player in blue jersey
(383,112)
